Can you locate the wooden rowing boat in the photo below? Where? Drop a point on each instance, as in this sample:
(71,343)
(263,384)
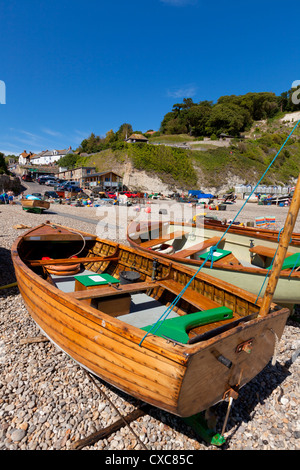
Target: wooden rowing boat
(260,232)
(245,253)
(215,340)
(34,205)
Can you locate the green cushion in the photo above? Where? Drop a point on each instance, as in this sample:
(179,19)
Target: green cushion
(96,279)
(176,328)
(217,254)
(290,261)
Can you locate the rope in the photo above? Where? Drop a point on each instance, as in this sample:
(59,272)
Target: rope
(264,174)
(164,316)
(71,231)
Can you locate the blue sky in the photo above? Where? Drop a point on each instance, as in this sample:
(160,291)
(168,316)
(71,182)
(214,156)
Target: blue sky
(73,67)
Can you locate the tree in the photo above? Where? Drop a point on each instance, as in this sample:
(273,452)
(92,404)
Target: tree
(3,167)
(68,161)
(164,124)
(110,136)
(92,145)
(198,117)
(228,119)
(124,131)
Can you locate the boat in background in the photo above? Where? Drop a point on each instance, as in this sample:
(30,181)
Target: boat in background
(259,232)
(243,256)
(35,205)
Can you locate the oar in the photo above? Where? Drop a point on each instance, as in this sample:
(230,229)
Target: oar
(282,250)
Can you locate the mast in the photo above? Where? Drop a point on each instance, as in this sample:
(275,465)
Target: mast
(281,252)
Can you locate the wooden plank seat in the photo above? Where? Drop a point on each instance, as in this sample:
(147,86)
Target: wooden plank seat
(98,292)
(164,239)
(197,247)
(195,298)
(67,261)
(265,252)
(57,233)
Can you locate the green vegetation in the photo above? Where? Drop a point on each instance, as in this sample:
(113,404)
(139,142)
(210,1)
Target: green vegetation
(3,167)
(248,160)
(165,161)
(229,115)
(257,114)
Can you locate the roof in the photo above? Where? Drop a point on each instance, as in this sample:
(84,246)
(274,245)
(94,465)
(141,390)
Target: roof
(137,137)
(50,153)
(79,168)
(29,155)
(102,173)
(25,154)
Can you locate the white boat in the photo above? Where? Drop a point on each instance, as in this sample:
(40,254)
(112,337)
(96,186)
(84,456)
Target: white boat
(242,258)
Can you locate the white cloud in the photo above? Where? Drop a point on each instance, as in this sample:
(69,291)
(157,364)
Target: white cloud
(52,133)
(184,92)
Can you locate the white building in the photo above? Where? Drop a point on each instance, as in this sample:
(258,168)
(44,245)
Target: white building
(25,157)
(48,157)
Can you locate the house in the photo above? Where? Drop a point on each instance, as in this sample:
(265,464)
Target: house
(25,157)
(137,138)
(49,157)
(76,174)
(88,177)
(108,180)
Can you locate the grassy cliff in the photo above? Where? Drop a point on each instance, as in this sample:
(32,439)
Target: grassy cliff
(243,160)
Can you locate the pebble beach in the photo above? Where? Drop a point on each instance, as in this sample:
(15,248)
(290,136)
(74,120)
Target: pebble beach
(47,402)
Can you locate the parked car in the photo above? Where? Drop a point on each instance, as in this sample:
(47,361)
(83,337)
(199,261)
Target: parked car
(50,182)
(129,194)
(51,195)
(42,179)
(74,184)
(111,195)
(39,195)
(26,178)
(73,189)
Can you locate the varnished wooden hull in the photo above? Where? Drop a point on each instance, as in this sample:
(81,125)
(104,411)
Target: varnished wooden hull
(180,378)
(34,205)
(252,278)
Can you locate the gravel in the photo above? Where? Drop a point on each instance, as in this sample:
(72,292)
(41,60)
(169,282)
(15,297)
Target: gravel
(47,402)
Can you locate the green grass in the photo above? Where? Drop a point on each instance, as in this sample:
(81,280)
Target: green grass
(172,139)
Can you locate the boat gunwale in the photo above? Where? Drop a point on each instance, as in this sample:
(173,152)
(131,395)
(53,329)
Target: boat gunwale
(269,234)
(219,266)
